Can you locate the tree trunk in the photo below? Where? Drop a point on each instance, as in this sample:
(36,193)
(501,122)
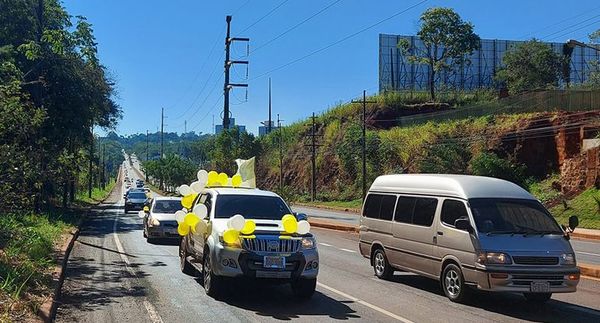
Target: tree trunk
(432,82)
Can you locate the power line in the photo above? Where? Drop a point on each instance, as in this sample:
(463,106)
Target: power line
(295,26)
(560,22)
(574,30)
(264,16)
(569,27)
(339,41)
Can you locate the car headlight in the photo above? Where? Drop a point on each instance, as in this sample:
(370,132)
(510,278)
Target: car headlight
(153,222)
(308,243)
(493,258)
(567,259)
(236,244)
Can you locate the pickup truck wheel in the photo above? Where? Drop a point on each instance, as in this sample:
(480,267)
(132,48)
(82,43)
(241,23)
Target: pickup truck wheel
(304,288)
(184,265)
(381,266)
(212,283)
(538,298)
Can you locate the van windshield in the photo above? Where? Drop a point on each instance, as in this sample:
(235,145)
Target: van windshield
(251,207)
(512,216)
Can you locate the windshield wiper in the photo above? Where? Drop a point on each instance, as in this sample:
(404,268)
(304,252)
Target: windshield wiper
(511,232)
(543,232)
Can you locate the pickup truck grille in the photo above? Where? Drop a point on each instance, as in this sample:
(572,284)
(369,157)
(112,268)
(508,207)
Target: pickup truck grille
(527,260)
(271,245)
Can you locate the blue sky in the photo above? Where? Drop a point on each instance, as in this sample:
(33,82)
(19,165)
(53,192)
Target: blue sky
(159,52)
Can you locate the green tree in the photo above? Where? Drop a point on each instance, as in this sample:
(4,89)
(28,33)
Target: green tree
(530,65)
(594,77)
(447,40)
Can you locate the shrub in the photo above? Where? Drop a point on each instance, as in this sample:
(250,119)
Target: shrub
(489,164)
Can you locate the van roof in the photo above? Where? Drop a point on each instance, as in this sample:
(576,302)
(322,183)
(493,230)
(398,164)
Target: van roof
(461,186)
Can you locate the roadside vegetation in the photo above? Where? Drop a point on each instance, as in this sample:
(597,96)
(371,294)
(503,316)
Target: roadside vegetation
(586,206)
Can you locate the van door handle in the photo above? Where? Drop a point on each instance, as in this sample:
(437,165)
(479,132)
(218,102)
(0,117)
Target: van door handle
(440,233)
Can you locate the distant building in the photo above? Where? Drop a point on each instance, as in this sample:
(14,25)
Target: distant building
(219,127)
(397,73)
(263,130)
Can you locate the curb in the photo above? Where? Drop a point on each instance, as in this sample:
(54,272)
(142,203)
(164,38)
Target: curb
(47,310)
(325,207)
(577,235)
(589,270)
(333,226)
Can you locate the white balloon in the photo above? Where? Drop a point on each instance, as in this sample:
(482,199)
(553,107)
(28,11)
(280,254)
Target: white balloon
(203,177)
(142,214)
(179,215)
(201,227)
(185,190)
(303,227)
(200,210)
(236,222)
(197,186)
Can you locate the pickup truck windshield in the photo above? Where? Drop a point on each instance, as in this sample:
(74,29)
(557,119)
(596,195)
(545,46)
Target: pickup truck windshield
(508,216)
(136,196)
(251,207)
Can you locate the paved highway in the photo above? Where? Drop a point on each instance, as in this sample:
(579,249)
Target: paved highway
(114,275)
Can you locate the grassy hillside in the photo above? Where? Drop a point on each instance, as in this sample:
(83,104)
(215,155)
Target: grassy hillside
(586,206)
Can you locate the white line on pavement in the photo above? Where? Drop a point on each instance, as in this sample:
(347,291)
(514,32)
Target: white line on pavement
(325,244)
(347,250)
(369,305)
(588,253)
(154,317)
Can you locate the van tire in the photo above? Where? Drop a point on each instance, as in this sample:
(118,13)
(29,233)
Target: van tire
(453,283)
(184,265)
(537,298)
(381,266)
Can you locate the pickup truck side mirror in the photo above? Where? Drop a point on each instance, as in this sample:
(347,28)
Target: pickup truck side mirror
(463,224)
(573,222)
(301,216)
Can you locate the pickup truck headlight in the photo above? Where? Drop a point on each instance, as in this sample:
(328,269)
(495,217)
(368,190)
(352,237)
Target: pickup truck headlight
(236,244)
(567,259)
(153,222)
(493,258)
(308,243)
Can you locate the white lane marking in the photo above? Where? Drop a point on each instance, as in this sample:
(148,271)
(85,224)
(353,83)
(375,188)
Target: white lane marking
(152,312)
(369,305)
(347,250)
(325,244)
(588,253)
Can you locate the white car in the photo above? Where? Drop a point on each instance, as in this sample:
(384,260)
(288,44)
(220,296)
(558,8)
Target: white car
(159,220)
(293,259)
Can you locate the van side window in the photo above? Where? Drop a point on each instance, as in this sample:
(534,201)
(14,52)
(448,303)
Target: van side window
(404,209)
(387,207)
(453,210)
(372,206)
(424,211)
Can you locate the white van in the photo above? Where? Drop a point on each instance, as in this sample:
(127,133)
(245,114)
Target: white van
(467,231)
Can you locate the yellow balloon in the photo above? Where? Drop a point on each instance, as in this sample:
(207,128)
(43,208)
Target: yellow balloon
(231,236)
(290,225)
(236,180)
(191,219)
(183,229)
(249,227)
(223,179)
(213,177)
(188,200)
(287,216)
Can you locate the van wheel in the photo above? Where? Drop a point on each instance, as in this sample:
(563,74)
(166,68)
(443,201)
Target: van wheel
(538,298)
(212,283)
(304,288)
(184,265)
(453,283)
(381,266)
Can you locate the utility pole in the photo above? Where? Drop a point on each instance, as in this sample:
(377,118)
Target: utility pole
(269,122)
(313,144)
(162,124)
(280,154)
(103,166)
(146,153)
(185,126)
(364,141)
(228,86)
(91,161)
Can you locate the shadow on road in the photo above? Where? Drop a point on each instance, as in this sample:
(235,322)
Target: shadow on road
(278,302)
(509,304)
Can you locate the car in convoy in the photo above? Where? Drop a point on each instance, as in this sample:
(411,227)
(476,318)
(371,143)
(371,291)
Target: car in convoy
(135,201)
(467,232)
(159,220)
(263,256)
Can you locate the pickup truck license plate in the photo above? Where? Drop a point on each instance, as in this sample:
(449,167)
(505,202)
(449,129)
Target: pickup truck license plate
(540,287)
(274,262)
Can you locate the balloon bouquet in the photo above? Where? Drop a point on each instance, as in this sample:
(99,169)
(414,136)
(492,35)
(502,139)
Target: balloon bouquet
(189,219)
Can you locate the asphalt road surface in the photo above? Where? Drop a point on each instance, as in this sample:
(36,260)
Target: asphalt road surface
(114,275)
